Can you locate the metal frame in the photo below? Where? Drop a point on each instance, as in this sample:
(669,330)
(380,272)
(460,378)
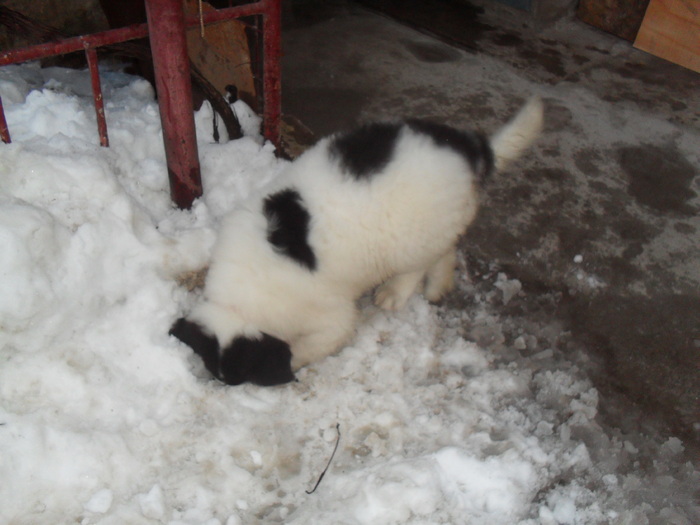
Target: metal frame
(165,28)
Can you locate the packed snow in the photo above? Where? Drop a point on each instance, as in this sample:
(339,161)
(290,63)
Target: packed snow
(106,419)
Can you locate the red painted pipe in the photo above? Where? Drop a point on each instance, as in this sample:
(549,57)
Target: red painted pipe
(272,85)
(70,45)
(166,23)
(91,55)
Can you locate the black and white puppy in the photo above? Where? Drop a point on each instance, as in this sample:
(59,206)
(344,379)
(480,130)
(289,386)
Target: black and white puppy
(381,205)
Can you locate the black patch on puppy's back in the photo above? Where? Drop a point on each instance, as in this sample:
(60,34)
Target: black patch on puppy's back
(288,227)
(366,150)
(474,147)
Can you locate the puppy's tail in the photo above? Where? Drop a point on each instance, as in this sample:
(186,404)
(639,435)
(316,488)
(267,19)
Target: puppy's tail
(518,134)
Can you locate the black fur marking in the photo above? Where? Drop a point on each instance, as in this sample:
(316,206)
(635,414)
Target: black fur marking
(366,150)
(204,345)
(288,227)
(264,362)
(474,147)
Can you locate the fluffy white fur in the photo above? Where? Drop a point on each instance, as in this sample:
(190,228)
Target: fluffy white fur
(397,229)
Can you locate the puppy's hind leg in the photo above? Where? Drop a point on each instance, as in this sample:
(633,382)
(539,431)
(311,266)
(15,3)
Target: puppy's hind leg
(440,276)
(394,293)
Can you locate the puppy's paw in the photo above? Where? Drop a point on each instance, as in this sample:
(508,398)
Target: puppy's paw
(388,297)
(437,288)
(440,278)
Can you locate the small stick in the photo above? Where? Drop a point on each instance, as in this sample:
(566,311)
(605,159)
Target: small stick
(337,442)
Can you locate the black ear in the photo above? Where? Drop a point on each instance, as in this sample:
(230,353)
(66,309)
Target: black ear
(204,345)
(265,361)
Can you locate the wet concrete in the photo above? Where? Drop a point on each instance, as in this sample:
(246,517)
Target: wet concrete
(599,222)
(659,177)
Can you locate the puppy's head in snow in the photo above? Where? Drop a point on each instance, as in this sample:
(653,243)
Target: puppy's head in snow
(264,361)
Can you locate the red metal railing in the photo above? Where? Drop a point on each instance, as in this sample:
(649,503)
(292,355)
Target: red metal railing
(165,28)
(171,65)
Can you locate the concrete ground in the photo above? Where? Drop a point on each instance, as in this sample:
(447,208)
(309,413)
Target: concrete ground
(599,223)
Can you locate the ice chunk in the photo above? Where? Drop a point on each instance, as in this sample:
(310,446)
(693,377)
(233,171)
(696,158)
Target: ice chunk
(509,287)
(100,502)
(152,504)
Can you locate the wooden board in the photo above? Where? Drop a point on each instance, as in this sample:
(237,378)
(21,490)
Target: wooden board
(671,30)
(222,54)
(620,17)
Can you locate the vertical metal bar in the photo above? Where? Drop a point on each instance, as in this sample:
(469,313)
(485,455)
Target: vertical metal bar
(272,36)
(4,131)
(166,23)
(91,55)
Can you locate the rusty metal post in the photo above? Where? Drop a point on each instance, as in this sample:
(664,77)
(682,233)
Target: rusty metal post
(91,55)
(4,132)
(272,96)
(166,23)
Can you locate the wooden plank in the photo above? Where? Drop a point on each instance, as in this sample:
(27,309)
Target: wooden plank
(222,54)
(671,30)
(620,17)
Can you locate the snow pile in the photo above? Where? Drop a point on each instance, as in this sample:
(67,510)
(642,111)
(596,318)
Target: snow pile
(106,419)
